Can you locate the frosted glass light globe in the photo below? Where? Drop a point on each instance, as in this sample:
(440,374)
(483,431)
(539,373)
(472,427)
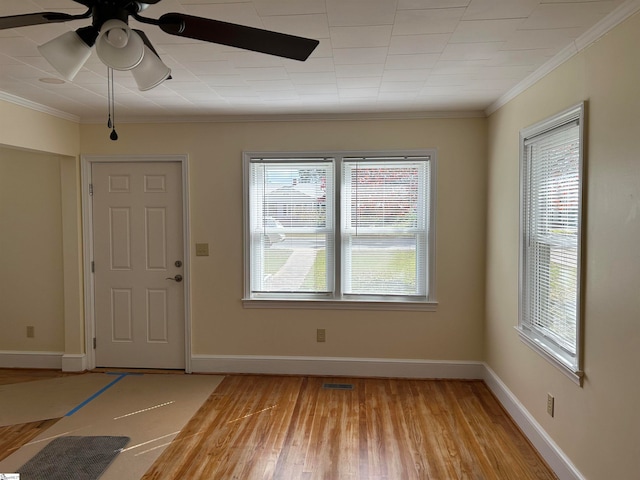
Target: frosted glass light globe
(118,37)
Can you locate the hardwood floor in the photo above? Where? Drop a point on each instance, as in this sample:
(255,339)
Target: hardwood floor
(19,375)
(272,427)
(259,427)
(12,437)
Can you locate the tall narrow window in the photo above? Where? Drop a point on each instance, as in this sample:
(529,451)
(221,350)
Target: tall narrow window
(291,222)
(384,233)
(340,227)
(551,207)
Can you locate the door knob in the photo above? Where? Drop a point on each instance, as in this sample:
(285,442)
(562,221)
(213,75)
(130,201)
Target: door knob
(177,278)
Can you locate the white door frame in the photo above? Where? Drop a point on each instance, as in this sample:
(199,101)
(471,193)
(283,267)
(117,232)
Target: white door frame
(87,230)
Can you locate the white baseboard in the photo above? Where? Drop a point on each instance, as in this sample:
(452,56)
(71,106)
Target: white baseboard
(26,359)
(343,367)
(547,448)
(399,368)
(74,362)
(337,366)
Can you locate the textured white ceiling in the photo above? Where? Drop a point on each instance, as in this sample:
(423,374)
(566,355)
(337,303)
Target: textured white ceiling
(374,57)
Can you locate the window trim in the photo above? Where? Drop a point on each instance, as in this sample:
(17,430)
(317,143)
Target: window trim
(342,301)
(570,365)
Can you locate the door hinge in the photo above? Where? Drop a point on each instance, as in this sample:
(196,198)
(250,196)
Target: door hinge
(94,343)
(91,189)
(93,266)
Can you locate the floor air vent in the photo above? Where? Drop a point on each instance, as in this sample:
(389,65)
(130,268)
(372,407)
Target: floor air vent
(337,386)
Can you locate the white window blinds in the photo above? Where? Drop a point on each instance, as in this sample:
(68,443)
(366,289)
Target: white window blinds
(345,227)
(384,230)
(551,210)
(291,223)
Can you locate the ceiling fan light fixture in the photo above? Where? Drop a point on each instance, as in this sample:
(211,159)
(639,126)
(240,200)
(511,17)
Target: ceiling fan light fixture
(66,53)
(151,71)
(117,37)
(118,46)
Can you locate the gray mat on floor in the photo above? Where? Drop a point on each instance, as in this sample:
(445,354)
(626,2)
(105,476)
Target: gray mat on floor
(73,458)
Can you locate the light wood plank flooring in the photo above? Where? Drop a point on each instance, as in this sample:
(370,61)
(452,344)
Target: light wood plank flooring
(260,427)
(289,427)
(19,375)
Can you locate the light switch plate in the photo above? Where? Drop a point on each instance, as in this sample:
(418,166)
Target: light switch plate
(202,249)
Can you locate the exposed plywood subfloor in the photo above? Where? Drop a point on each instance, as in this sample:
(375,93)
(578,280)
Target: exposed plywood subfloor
(290,427)
(150,409)
(46,399)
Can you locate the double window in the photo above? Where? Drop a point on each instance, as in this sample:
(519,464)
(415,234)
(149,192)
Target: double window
(550,238)
(340,228)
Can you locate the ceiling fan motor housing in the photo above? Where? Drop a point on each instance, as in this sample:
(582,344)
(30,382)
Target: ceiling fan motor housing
(104,10)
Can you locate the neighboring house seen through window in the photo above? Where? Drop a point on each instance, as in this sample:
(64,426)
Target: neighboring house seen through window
(339,228)
(550,238)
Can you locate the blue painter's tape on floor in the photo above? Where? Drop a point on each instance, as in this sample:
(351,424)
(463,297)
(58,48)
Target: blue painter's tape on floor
(97,394)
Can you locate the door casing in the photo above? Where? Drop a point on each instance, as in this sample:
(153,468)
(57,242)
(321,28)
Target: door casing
(87,229)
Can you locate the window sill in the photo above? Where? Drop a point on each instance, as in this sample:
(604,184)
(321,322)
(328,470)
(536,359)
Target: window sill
(340,304)
(553,357)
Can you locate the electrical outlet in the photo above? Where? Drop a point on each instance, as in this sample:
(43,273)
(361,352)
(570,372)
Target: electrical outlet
(550,404)
(31,332)
(321,335)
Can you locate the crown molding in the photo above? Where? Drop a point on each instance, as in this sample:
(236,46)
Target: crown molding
(364,116)
(609,22)
(624,11)
(7,97)
(605,25)
(311,117)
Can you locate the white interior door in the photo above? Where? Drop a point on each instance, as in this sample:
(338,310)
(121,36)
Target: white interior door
(138,254)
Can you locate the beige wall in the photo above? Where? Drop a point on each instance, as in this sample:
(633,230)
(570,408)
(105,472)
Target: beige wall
(597,426)
(25,128)
(222,326)
(31,261)
(48,180)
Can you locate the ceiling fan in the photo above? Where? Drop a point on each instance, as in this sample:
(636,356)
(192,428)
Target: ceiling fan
(122,48)
(182,25)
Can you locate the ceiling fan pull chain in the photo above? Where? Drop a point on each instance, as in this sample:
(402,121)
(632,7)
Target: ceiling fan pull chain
(111,122)
(120,47)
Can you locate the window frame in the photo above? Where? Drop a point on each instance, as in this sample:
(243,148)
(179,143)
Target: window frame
(338,299)
(570,363)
